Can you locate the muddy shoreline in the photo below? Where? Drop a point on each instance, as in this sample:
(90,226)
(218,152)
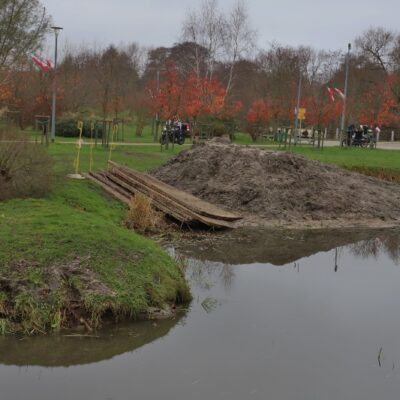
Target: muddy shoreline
(254,221)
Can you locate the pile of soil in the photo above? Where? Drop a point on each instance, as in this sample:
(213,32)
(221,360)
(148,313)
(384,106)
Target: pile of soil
(270,188)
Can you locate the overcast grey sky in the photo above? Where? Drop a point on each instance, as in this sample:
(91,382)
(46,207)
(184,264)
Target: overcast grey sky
(328,24)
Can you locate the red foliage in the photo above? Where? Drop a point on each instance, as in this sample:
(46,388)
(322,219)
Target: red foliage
(5,92)
(230,111)
(188,98)
(259,113)
(379,106)
(323,112)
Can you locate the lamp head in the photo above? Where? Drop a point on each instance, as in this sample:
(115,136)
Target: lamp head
(57,29)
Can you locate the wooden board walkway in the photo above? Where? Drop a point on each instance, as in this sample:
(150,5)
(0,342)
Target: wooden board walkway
(123,183)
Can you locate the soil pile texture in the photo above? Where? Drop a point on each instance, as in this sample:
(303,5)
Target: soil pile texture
(269,187)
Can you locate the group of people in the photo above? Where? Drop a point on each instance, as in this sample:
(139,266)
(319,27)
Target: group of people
(362,135)
(174,131)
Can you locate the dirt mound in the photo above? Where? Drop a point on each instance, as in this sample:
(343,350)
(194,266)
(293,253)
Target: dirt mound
(279,186)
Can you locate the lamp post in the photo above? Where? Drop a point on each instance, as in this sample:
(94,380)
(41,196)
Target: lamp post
(346,84)
(156,122)
(56,30)
(157,116)
(297,111)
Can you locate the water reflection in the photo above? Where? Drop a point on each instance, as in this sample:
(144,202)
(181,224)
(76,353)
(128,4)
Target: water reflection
(202,273)
(75,349)
(215,260)
(244,246)
(387,242)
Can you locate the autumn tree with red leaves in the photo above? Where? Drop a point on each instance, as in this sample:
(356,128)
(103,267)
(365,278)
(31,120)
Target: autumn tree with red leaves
(258,117)
(380,106)
(190,98)
(321,111)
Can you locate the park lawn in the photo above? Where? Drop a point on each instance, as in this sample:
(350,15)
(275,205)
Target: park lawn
(129,136)
(142,158)
(79,231)
(349,157)
(373,162)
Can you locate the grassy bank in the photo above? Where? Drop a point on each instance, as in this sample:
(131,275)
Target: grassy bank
(383,164)
(68,259)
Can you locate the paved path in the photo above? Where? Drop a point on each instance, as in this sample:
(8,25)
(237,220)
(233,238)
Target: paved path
(327,143)
(381,145)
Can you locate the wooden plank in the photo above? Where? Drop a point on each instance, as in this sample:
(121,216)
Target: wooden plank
(119,193)
(123,186)
(107,188)
(165,204)
(191,202)
(175,213)
(178,196)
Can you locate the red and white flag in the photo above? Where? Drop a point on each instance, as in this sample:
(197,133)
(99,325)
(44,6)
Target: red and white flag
(44,66)
(331,94)
(50,64)
(340,93)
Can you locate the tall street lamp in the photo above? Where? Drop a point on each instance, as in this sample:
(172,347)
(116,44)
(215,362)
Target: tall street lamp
(297,111)
(56,30)
(346,84)
(154,129)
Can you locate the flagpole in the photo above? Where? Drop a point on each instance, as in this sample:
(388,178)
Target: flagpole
(56,30)
(346,83)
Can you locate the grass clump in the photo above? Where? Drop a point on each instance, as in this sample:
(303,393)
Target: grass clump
(141,215)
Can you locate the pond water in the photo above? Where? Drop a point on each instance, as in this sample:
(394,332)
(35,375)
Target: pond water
(305,315)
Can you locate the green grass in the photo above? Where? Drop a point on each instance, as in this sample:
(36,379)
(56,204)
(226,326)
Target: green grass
(141,158)
(353,157)
(129,136)
(78,223)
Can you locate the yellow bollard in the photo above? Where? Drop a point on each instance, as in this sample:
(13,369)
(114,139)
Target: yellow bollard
(78,145)
(112,144)
(91,146)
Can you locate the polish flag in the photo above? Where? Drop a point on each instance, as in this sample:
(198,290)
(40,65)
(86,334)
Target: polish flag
(41,64)
(331,94)
(340,93)
(49,64)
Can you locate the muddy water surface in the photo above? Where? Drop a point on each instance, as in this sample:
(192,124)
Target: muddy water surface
(275,316)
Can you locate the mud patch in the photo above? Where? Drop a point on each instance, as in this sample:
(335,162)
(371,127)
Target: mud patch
(270,187)
(36,299)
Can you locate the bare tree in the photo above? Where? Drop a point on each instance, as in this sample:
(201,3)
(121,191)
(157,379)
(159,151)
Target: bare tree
(395,54)
(205,28)
(117,78)
(239,39)
(23,25)
(376,44)
(321,65)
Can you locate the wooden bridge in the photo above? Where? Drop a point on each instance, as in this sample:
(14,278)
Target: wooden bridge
(123,183)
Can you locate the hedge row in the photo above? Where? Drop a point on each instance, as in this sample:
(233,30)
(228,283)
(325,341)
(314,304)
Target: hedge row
(69,128)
